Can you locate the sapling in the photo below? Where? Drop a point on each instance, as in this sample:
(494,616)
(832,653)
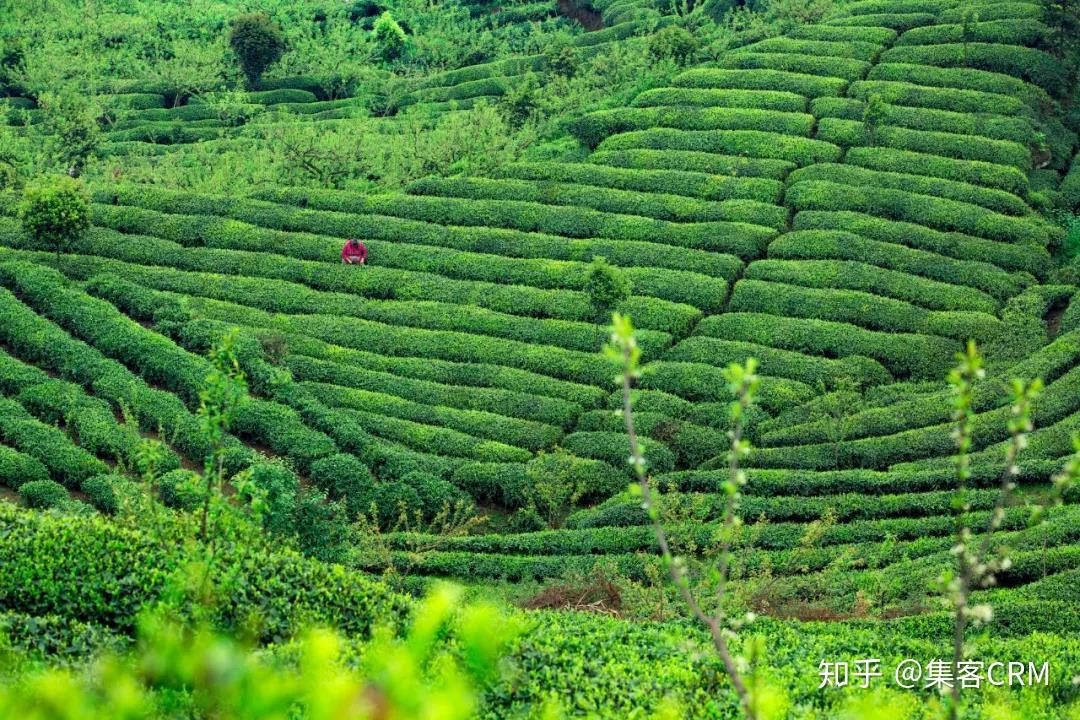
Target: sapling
(743,383)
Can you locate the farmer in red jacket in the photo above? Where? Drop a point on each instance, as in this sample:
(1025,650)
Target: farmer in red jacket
(354,253)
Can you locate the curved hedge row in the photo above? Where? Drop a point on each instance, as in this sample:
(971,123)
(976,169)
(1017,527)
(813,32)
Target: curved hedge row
(707,186)
(991,199)
(941,98)
(904,354)
(507,403)
(1011,31)
(849,48)
(1018,129)
(732,98)
(858,275)
(846,69)
(90,569)
(691,443)
(809,369)
(898,21)
(862,309)
(17,468)
(1008,256)
(840,245)
(415,342)
(614,449)
(993,10)
(661,206)
(527,434)
(66,462)
(739,238)
(807,85)
(972,172)
(851,133)
(693,161)
(476,239)
(1048,363)
(962,78)
(1025,63)
(933,212)
(382,282)
(798,150)
(699,382)
(836,33)
(593,128)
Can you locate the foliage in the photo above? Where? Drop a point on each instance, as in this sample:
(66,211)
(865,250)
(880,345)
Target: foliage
(257,42)
(388,37)
(674,43)
(56,213)
(606,287)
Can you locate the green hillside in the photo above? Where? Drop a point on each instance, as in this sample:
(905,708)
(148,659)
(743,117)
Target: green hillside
(846,192)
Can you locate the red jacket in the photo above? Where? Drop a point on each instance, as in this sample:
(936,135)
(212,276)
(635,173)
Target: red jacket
(351,253)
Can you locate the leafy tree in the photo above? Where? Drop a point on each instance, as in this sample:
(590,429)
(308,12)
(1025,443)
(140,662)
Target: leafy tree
(1063,19)
(56,212)
(606,287)
(561,59)
(71,125)
(257,42)
(673,43)
(873,117)
(389,38)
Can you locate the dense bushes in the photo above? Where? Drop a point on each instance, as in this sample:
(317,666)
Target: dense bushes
(655,204)
(706,97)
(477,239)
(17,468)
(962,78)
(983,125)
(712,163)
(92,570)
(1031,65)
(972,172)
(707,186)
(991,199)
(848,48)
(810,86)
(612,448)
(67,462)
(840,245)
(44,494)
(753,143)
(1023,257)
(860,308)
(934,212)
(594,127)
(851,133)
(904,354)
(816,65)
(697,382)
(954,99)
(808,369)
(1011,31)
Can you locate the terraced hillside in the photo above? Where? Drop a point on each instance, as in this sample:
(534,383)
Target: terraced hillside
(848,202)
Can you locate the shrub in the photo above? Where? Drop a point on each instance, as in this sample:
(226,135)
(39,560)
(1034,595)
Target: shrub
(606,287)
(44,494)
(711,163)
(954,99)
(258,43)
(344,476)
(17,468)
(594,127)
(846,69)
(66,461)
(673,43)
(934,212)
(904,354)
(755,143)
(1019,257)
(389,37)
(181,489)
(611,448)
(973,172)
(100,490)
(704,97)
(899,21)
(961,78)
(700,382)
(810,86)
(841,245)
(1028,64)
(55,213)
(435,494)
(504,484)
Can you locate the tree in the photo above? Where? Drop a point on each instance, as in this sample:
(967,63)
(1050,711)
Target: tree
(389,38)
(1063,19)
(71,125)
(56,212)
(673,43)
(257,42)
(873,117)
(606,287)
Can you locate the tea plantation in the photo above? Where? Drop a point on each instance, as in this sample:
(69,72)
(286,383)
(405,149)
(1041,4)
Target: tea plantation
(845,191)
